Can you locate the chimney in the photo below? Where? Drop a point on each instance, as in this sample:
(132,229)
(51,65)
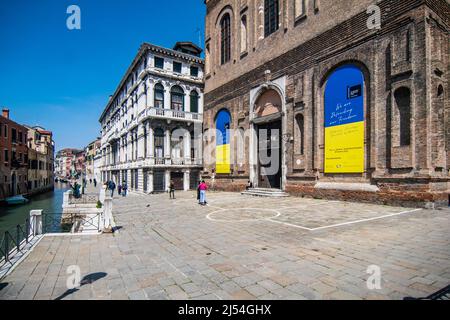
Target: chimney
(5,113)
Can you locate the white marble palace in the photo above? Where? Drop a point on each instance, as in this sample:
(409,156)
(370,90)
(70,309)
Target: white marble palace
(152,125)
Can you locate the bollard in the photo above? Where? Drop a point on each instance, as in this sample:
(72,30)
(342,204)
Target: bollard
(107,215)
(35,222)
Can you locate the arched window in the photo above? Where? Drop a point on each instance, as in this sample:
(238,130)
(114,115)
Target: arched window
(300,134)
(177,143)
(177,98)
(194,101)
(225,39)
(159,96)
(403,101)
(159,143)
(240,147)
(244,34)
(271,19)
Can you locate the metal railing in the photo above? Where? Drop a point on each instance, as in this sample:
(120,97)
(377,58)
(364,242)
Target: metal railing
(84,199)
(57,222)
(14,241)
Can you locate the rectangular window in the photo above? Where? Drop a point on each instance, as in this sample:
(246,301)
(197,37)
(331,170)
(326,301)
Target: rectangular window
(5,131)
(20,137)
(194,71)
(176,67)
(159,63)
(14,135)
(271,19)
(6,159)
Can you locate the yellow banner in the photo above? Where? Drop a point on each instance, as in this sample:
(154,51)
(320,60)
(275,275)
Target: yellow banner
(344,148)
(223,159)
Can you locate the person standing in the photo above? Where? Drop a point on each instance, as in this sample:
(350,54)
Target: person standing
(119,189)
(203,187)
(171,190)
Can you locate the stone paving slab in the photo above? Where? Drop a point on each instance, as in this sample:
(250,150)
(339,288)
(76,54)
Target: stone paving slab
(231,249)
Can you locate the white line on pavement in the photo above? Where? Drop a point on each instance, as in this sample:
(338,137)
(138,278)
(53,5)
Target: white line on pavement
(364,220)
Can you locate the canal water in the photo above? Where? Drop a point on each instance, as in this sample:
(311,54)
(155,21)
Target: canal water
(50,202)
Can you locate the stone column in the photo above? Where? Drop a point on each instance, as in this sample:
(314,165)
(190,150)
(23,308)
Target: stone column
(150,96)
(187,147)
(167,176)
(186,180)
(140,185)
(167,146)
(149,181)
(150,141)
(140,142)
(36,222)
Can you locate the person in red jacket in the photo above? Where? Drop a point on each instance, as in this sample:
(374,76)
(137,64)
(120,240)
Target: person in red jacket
(202,187)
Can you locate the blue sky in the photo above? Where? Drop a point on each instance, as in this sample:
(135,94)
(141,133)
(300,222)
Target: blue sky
(61,79)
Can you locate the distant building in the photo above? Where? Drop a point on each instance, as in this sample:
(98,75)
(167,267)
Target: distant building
(151,126)
(80,164)
(40,159)
(90,152)
(65,163)
(13,157)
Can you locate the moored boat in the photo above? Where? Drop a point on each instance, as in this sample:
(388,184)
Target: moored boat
(16,200)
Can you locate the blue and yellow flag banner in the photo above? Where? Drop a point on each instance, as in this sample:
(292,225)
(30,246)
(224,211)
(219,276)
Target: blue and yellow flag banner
(223,161)
(344,121)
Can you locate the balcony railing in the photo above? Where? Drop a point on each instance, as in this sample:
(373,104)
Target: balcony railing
(173,114)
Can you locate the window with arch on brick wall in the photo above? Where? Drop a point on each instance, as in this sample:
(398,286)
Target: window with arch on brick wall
(243,34)
(403,103)
(300,134)
(225,39)
(271,16)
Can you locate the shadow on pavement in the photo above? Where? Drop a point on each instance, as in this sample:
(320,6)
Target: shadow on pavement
(443,294)
(3,285)
(90,278)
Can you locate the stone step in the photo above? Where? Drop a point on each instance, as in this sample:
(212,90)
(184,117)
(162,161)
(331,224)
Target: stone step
(265,192)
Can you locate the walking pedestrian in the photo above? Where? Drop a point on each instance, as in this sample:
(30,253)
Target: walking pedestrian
(124,189)
(112,187)
(90,181)
(95,183)
(203,187)
(171,190)
(119,189)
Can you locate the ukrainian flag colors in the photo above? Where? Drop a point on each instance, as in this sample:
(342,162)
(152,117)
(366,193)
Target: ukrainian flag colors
(344,121)
(223,160)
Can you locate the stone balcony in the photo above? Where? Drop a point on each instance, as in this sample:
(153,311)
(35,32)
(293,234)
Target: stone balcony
(156,162)
(171,115)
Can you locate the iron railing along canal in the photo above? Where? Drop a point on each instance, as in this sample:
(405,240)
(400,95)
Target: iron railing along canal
(15,240)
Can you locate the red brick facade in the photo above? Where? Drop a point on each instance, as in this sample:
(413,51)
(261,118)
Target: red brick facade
(13,157)
(404,63)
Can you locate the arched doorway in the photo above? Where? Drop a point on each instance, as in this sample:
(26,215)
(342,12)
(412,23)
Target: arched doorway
(344,121)
(267,114)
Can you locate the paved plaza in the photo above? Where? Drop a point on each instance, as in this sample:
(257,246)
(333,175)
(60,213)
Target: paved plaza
(241,247)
